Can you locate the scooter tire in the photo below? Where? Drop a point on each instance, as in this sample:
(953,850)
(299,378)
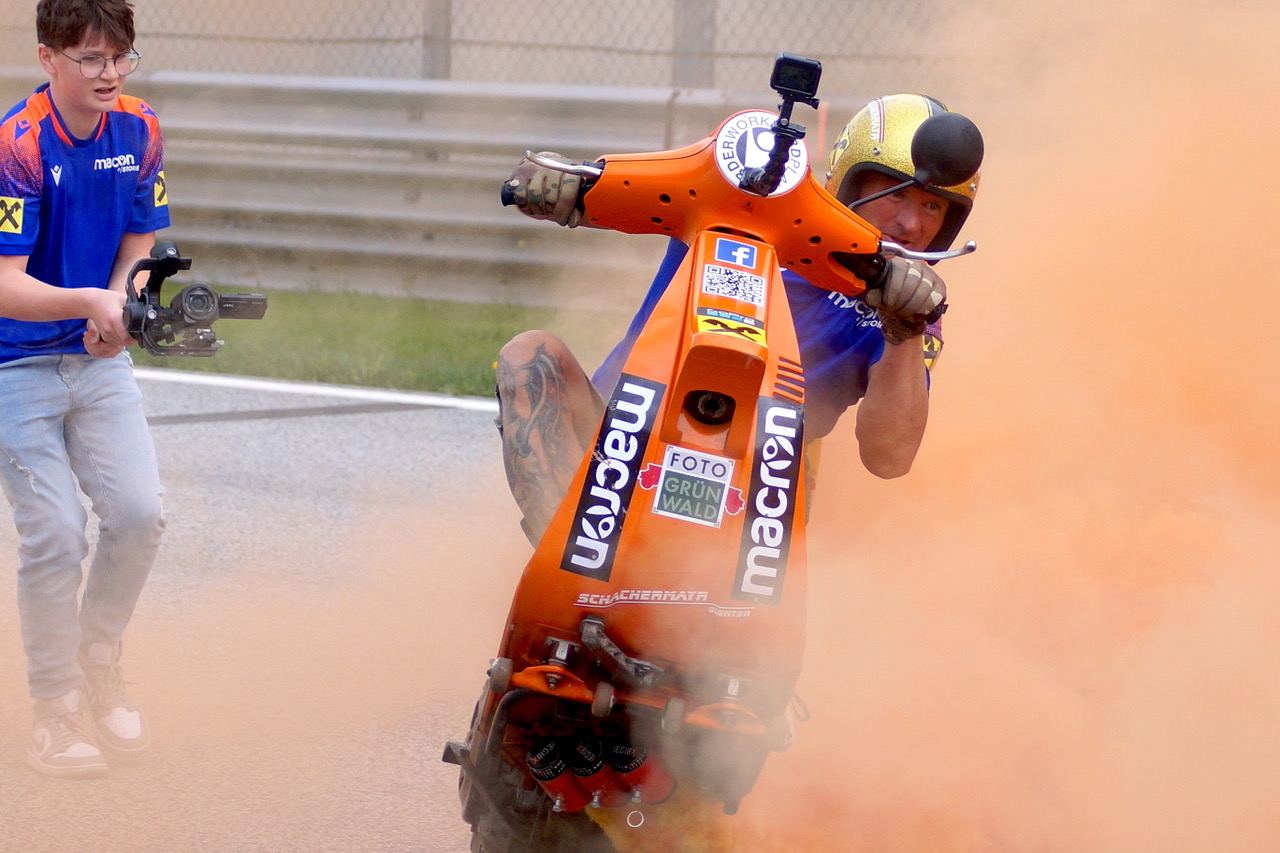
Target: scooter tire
(602,700)
(500,675)
(673,716)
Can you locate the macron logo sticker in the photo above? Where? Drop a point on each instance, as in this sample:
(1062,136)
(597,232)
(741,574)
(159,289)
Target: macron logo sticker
(738,254)
(57,175)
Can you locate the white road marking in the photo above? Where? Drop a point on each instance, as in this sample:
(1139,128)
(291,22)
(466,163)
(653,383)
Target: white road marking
(316,389)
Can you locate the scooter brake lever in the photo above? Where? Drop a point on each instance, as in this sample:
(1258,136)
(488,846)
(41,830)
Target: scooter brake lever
(888,248)
(584,170)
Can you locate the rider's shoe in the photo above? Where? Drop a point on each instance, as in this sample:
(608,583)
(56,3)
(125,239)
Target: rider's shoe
(120,726)
(62,741)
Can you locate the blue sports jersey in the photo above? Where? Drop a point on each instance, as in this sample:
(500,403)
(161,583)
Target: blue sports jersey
(839,340)
(66,203)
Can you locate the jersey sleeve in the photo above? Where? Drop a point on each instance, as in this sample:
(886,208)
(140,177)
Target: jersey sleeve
(151,200)
(21,176)
(932,347)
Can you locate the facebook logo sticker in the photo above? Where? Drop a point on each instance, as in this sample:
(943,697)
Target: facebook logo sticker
(733,252)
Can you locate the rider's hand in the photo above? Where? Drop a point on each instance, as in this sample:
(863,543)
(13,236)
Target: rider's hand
(547,193)
(911,292)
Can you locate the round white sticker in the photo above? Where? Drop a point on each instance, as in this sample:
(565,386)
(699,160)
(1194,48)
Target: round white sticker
(744,143)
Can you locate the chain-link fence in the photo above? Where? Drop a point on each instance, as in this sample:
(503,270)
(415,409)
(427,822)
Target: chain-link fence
(866,46)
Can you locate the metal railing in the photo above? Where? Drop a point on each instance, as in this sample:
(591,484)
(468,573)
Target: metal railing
(325,144)
(392,186)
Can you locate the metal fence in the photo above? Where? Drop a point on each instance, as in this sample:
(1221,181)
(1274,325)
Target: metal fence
(866,46)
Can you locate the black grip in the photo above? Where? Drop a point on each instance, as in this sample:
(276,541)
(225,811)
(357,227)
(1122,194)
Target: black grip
(873,269)
(508,193)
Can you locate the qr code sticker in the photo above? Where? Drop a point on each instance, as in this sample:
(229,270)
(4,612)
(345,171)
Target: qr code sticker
(736,284)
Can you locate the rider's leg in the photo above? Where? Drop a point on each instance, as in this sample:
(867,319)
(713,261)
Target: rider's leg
(548,415)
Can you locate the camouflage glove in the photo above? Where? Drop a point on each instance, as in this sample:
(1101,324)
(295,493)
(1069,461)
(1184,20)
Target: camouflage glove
(911,292)
(547,193)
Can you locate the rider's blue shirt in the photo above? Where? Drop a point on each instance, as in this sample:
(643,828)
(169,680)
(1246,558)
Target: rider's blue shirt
(68,202)
(839,339)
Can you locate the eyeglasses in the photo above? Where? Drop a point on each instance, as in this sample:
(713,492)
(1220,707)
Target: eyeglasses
(92,66)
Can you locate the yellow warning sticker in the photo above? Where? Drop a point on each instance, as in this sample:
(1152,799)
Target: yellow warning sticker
(932,350)
(730,323)
(11,215)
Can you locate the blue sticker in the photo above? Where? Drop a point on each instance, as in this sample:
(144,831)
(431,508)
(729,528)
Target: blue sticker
(733,252)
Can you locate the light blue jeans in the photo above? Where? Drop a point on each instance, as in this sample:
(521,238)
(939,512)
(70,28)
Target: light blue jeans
(68,420)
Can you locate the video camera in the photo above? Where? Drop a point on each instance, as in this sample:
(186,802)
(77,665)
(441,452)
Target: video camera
(183,328)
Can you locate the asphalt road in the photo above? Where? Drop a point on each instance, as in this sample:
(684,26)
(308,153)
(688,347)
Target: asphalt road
(335,571)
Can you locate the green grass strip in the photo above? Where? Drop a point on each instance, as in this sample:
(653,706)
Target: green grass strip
(387,342)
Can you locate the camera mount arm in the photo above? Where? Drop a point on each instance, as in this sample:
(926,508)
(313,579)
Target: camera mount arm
(795,78)
(164,262)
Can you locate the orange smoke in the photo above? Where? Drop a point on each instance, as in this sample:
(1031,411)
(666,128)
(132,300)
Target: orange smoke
(1059,632)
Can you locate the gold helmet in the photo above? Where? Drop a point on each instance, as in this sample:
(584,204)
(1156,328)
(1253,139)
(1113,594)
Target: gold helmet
(878,139)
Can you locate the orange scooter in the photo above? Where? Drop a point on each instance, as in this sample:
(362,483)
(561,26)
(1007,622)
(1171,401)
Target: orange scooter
(657,633)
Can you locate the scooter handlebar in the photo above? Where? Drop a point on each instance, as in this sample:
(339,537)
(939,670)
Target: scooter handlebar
(621,208)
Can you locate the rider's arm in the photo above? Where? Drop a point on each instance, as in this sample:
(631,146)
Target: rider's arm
(892,415)
(893,412)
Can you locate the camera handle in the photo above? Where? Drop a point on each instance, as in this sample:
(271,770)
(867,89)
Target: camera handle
(165,261)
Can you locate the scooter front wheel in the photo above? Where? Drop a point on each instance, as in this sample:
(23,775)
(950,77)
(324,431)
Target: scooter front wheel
(602,701)
(673,716)
(500,675)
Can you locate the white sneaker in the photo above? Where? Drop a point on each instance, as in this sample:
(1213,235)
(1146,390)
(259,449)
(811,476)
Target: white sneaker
(62,743)
(120,726)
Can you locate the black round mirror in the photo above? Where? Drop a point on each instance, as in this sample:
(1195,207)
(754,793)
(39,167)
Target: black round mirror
(946,149)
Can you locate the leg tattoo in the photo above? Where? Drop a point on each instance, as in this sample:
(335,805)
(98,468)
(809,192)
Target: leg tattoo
(542,437)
